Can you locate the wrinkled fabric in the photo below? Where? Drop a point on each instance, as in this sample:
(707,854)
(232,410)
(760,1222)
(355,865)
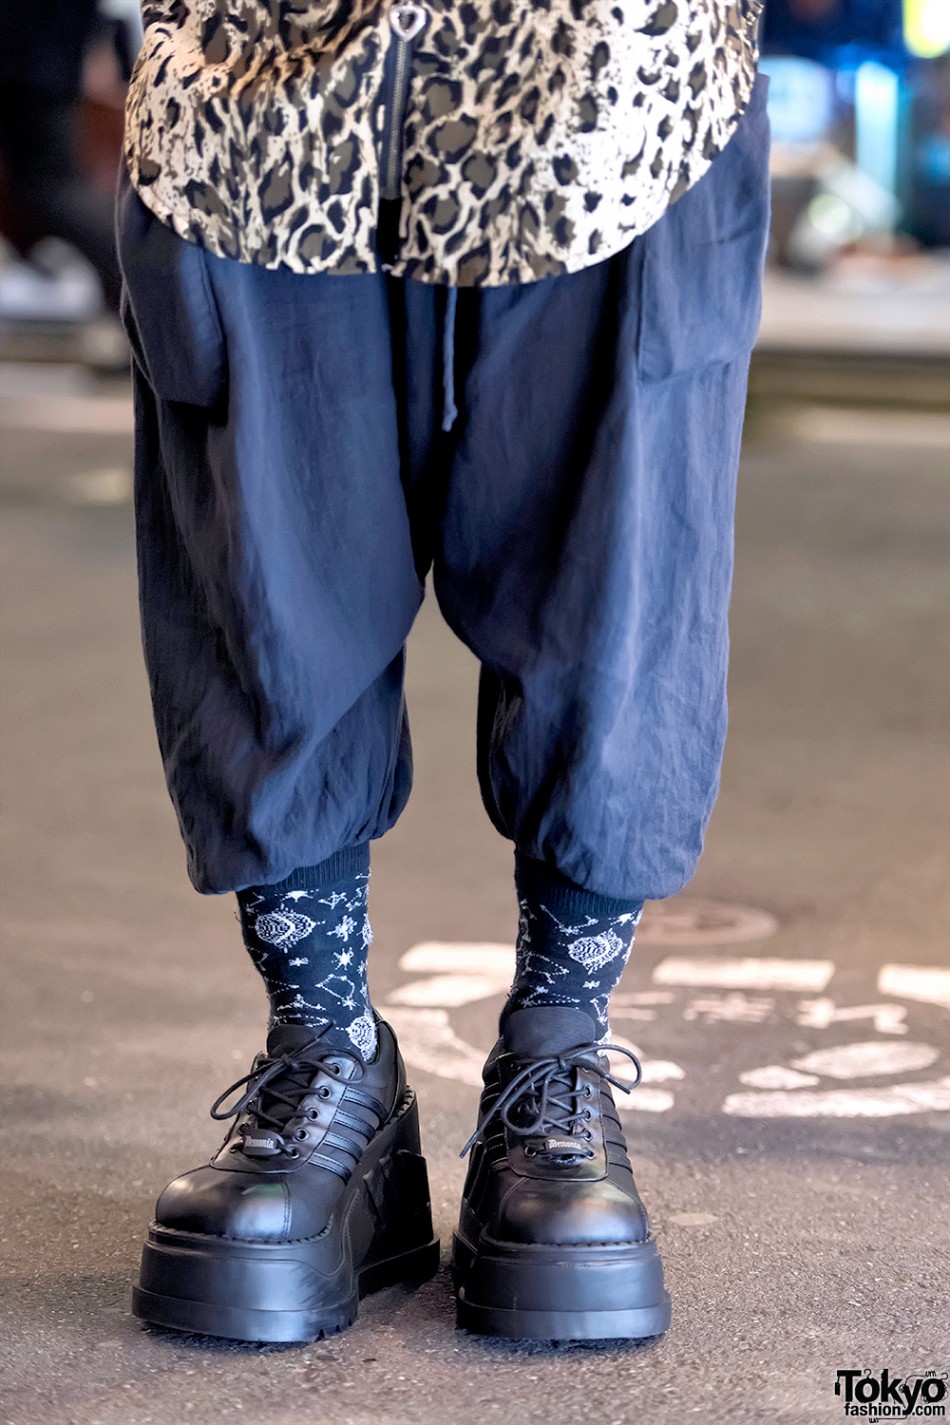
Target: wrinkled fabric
(294,487)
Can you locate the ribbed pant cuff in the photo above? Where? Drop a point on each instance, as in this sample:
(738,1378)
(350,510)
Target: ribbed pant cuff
(537,881)
(334,871)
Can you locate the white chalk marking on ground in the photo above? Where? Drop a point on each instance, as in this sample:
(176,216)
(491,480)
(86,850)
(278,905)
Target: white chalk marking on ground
(745,974)
(429,1043)
(622,1000)
(776,1076)
(821,1013)
(864,1061)
(645,1100)
(692,1219)
(449,990)
(661,1071)
(930,1097)
(733,1008)
(636,1005)
(436,957)
(926,983)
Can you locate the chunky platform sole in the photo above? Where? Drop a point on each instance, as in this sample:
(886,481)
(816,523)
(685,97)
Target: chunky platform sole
(304,1290)
(560,1293)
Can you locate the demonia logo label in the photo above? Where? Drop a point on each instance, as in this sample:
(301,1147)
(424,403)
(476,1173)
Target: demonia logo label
(888,1397)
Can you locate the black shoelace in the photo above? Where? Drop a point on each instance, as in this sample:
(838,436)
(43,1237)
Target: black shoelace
(546,1094)
(274,1087)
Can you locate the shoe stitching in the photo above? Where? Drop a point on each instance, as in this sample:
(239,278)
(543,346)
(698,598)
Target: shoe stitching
(248,1241)
(627,1242)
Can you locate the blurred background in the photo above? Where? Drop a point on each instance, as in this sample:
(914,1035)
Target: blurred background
(792,1007)
(860,256)
(860,110)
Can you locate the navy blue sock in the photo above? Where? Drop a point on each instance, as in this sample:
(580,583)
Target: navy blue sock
(308,936)
(572,945)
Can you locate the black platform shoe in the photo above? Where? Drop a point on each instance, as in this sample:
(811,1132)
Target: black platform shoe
(553,1241)
(318,1195)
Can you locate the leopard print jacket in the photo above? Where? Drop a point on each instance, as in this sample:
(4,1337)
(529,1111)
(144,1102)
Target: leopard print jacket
(536,138)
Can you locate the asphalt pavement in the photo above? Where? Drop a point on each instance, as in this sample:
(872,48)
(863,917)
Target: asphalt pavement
(791,1007)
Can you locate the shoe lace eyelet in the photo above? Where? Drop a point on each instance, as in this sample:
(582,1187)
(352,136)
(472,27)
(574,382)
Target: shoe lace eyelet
(335,1069)
(588,1135)
(588,1091)
(587,1115)
(300,1134)
(313,1113)
(292,1152)
(323,1092)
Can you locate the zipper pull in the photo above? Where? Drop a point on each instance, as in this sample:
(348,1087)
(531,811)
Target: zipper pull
(408,19)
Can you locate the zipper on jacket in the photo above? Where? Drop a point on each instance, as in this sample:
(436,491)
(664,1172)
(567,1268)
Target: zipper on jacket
(407,19)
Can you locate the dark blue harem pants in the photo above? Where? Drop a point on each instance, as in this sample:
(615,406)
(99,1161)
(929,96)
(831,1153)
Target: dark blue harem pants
(561,454)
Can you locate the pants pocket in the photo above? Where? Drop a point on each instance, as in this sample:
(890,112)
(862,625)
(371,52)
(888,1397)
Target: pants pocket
(701,298)
(167,306)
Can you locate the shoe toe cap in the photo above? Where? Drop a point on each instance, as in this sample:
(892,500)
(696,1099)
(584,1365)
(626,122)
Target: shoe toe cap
(571,1214)
(227,1204)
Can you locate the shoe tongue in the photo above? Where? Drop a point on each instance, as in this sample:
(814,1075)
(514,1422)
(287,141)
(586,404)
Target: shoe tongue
(541,1030)
(282,1039)
(290,1038)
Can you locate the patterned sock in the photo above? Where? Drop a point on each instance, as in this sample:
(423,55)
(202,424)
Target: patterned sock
(308,936)
(572,945)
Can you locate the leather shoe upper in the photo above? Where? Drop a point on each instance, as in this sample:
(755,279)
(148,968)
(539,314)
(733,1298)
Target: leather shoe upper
(549,1163)
(302,1123)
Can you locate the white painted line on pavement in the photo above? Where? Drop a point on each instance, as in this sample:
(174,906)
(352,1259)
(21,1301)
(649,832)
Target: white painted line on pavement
(822,1013)
(931,1097)
(659,1071)
(733,1008)
(436,957)
(457,974)
(776,1076)
(429,1043)
(645,1100)
(927,983)
(449,990)
(745,974)
(864,1061)
(621,1000)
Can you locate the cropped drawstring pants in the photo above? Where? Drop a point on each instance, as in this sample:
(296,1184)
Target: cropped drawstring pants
(560,455)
